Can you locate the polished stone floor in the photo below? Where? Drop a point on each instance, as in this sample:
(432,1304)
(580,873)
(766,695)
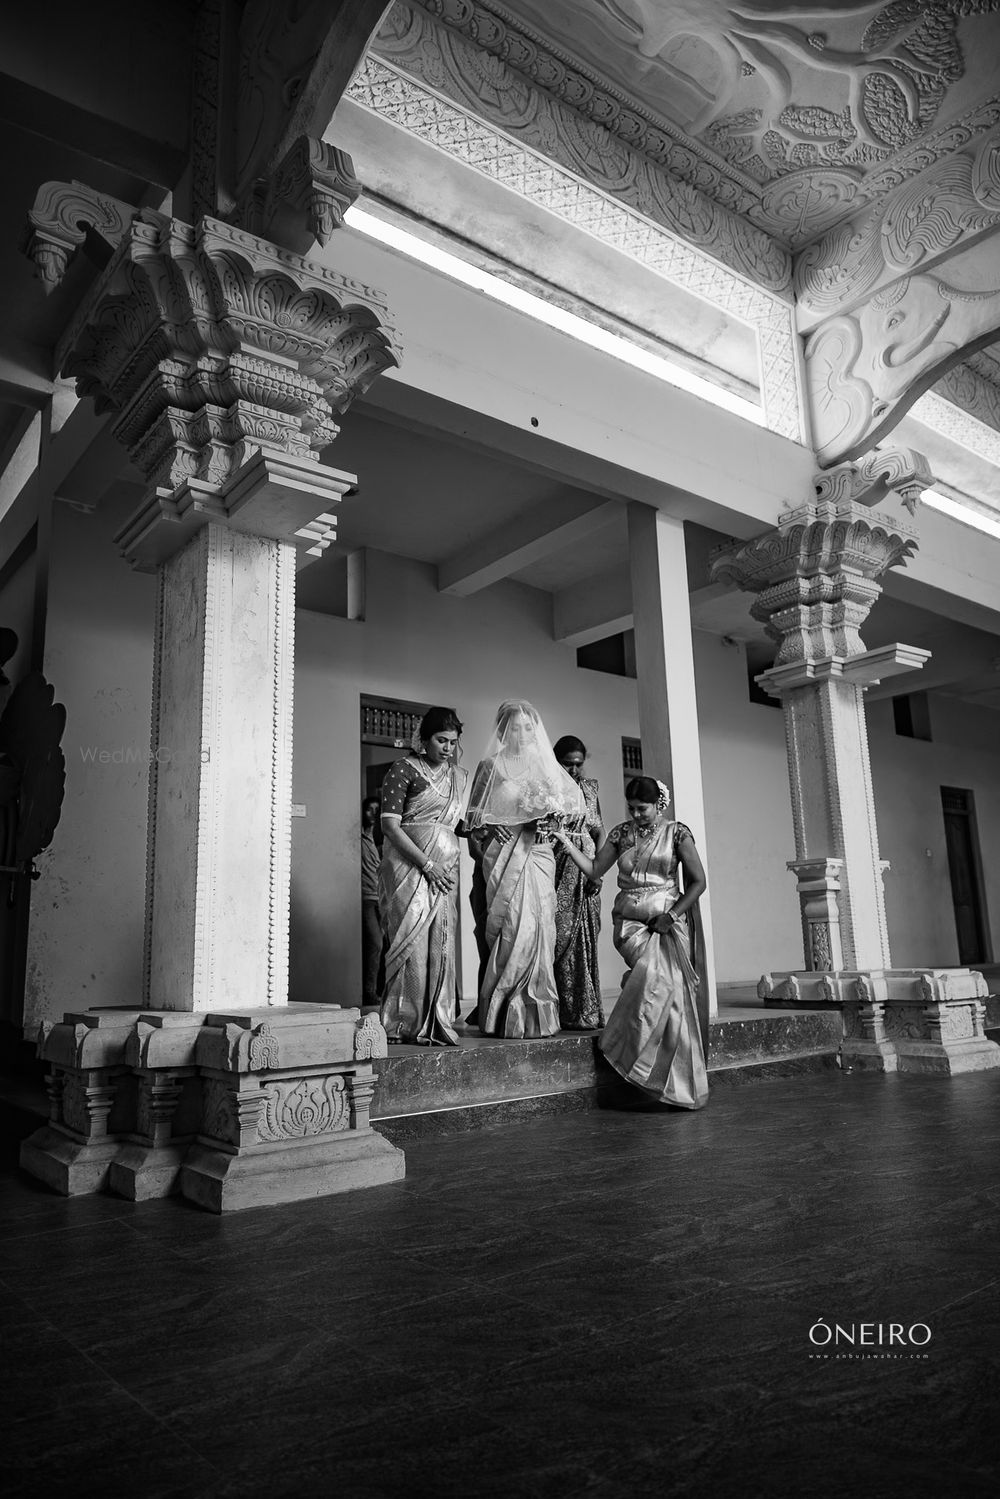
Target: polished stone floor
(612,1303)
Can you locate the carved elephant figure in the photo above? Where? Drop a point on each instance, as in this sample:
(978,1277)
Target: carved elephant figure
(865,369)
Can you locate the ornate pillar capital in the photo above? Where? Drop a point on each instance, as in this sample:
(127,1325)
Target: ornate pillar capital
(815,576)
(213,348)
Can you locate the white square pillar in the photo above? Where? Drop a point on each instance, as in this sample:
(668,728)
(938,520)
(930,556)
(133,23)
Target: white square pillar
(218,861)
(668,706)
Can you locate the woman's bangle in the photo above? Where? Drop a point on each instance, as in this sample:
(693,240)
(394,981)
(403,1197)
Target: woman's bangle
(428,867)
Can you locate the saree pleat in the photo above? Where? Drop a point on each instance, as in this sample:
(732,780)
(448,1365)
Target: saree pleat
(655,1036)
(578,925)
(518,996)
(418,1002)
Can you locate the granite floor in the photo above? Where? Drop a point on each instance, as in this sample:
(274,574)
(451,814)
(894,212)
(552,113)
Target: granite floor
(612,1303)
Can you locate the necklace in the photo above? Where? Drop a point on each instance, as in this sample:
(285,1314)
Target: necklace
(437,775)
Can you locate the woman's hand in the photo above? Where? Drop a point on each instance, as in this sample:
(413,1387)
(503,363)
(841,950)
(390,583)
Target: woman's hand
(440,880)
(663,923)
(591,887)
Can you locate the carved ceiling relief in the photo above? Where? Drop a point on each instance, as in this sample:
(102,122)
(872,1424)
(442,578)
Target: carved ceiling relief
(796,109)
(865,369)
(550,123)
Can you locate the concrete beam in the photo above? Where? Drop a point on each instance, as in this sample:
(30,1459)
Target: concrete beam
(44,114)
(521,542)
(40,465)
(593,609)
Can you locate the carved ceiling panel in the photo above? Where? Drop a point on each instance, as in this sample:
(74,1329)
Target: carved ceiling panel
(792,111)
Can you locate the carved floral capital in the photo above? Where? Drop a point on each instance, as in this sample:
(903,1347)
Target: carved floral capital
(212,346)
(815,576)
(305,199)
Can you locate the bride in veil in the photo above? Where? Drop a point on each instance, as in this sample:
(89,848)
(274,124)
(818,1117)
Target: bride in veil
(519,793)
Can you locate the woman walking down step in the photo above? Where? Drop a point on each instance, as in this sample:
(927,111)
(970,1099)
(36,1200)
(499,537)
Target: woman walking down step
(658,1030)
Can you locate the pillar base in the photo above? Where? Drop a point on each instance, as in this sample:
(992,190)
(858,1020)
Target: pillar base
(947,1059)
(233,1110)
(141,1172)
(73,1168)
(928,1020)
(301,1169)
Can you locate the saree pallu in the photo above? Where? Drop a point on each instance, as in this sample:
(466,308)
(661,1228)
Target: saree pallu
(418,1000)
(518,996)
(656,1036)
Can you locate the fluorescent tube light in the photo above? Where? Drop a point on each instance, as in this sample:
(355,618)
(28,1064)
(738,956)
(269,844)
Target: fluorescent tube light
(965,513)
(544,312)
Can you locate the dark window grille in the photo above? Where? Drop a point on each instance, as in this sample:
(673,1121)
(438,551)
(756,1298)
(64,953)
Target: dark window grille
(631,756)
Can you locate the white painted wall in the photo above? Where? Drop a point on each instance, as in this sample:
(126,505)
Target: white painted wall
(907,775)
(755,909)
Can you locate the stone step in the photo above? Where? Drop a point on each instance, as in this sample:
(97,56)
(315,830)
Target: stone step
(485,1081)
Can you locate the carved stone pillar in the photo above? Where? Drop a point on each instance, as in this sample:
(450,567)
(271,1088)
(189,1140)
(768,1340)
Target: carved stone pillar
(225,361)
(815,578)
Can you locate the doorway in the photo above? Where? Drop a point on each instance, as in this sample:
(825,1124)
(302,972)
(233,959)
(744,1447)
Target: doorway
(966,872)
(387,729)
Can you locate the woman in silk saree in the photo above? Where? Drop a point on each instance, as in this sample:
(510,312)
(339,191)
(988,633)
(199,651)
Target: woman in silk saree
(578,903)
(421,808)
(517,791)
(656,1036)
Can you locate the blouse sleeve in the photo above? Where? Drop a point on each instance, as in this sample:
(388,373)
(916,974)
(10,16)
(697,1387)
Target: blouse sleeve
(681,831)
(395,787)
(618,835)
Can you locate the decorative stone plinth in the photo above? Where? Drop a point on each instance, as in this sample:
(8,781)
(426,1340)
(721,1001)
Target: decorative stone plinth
(233,1109)
(160,1050)
(91,1100)
(286,1097)
(900,1019)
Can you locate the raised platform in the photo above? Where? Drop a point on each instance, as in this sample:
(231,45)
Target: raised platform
(485,1081)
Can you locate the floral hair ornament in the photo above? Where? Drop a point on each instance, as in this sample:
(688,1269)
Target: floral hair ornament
(663,801)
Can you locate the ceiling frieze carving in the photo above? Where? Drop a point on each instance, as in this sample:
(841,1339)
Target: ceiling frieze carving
(496,30)
(475,79)
(427,116)
(795,115)
(965,428)
(974,387)
(740,130)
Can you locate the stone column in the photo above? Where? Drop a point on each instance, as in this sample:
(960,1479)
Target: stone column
(225,360)
(815,578)
(668,707)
